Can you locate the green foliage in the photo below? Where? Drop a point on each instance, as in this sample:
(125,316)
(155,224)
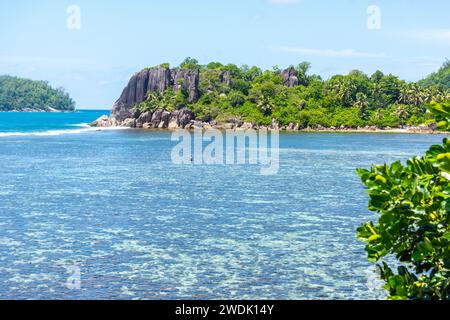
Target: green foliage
(302,70)
(236,98)
(190,64)
(250,112)
(19,94)
(440,79)
(350,100)
(442,113)
(167,100)
(414,205)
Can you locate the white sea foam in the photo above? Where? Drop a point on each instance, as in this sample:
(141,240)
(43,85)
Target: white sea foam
(83,129)
(81,125)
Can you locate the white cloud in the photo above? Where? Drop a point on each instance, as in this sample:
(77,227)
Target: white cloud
(282,1)
(330,52)
(438,36)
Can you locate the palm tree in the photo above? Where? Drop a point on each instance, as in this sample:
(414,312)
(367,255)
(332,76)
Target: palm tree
(404,95)
(417,95)
(265,105)
(402,113)
(344,90)
(429,95)
(361,102)
(377,90)
(436,94)
(447,95)
(158,100)
(378,115)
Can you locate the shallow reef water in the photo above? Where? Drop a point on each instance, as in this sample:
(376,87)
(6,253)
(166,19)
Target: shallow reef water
(113,206)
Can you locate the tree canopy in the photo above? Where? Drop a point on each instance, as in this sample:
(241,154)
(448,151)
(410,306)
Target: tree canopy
(413,203)
(18,94)
(439,79)
(229,92)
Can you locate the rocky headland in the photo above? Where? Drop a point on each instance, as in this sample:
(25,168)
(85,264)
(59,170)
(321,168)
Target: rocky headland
(162,78)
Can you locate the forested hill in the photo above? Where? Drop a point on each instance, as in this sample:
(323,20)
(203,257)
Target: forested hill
(439,79)
(219,93)
(17,94)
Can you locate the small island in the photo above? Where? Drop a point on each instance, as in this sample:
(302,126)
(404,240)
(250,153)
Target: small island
(24,95)
(229,97)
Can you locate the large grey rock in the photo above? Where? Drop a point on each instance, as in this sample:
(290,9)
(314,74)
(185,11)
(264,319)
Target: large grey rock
(157,79)
(144,118)
(184,117)
(180,119)
(433,126)
(156,118)
(165,118)
(275,124)
(188,81)
(290,77)
(104,121)
(130,123)
(302,105)
(226,77)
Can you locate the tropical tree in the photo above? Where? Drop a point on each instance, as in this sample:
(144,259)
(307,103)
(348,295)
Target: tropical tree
(417,95)
(441,78)
(344,89)
(303,69)
(404,96)
(18,94)
(166,100)
(190,64)
(265,104)
(401,111)
(414,206)
(362,103)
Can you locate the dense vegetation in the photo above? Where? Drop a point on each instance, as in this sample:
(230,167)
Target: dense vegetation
(414,225)
(229,92)
(440,79)
(18,94)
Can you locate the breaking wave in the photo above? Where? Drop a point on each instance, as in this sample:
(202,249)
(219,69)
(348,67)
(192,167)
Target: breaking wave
(83,128)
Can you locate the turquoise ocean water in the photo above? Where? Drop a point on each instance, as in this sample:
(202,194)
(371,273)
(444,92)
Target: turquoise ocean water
(112,205)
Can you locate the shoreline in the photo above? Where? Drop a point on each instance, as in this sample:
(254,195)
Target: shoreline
(162,120)
(324,131)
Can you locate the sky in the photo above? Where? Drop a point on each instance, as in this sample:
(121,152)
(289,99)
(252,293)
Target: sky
(92,47)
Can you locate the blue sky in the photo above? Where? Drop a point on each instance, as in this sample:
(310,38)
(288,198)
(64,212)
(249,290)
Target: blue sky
(118,38)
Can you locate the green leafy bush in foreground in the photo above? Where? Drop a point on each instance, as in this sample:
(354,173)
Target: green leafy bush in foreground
(414,226)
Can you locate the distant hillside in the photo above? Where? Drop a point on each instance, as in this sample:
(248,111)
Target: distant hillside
(440,78)
(17,94)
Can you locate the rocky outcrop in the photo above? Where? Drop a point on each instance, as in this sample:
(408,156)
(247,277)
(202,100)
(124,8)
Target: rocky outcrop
(104,121)
(185,119)
(225,77)
(159,119)
(188,81)
(290,77)
(144,118)
(157,79)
